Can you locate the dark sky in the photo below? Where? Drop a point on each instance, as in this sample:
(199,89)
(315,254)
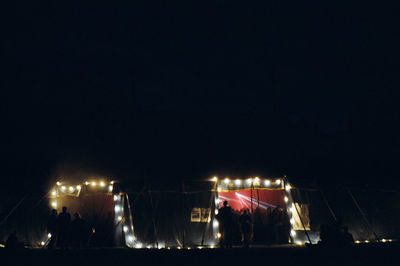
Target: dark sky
(158,90)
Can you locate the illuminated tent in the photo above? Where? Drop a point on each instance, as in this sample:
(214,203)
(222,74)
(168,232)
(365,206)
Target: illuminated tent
(260,196)
(182,214)
(102,205)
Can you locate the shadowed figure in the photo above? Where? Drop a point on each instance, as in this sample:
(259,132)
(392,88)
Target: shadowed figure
(79,232)
(245,228)
(52,228)
(64,224)
(347,238)
(12,242)
(225,219)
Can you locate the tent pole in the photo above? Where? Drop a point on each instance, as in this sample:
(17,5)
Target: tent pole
(362,213)
(251,196)
(184,213)
(153,218)
(130,214)
(13,209)
(328,205)
(212,212)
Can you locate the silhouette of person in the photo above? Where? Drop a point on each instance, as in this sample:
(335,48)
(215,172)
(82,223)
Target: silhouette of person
(285,226)
(52,228)
(225,219)
(277,224)
(64,223)
(259,231)
(78,231)
(348,239)
(12,242)
(245,228)
(269,227)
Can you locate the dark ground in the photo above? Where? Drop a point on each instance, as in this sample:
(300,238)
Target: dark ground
(385,254)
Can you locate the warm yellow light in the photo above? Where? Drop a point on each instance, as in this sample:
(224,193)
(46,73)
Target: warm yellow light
(383,240)
(71,189)
(216,211)
(49,235)
(267,182)
(119,218)
(291,221)
(249,181)
(138,245)
(93,183)
(238,182)
(179,247)
(357,241)
(112,182)
(278,181)
(54,204)
(87,183)
(366,241)
(110,188)
(286,199)
(256,179)
(58,183)
(219,189)
(219,235)
(102,184)
(292,232)
(214,179)
(226,181)
(54,193)
(63,188)
(390,240)
(78,187)
(288,187)
(42,243)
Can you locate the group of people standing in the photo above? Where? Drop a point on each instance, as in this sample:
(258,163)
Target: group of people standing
(335,235)
(66,233)
(271,227)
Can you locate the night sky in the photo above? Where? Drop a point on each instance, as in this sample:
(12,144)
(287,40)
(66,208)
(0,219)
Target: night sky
(152,90)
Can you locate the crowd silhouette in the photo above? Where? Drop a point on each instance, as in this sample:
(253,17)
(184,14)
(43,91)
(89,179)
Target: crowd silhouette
(66,233)
(270,226)
(261,227)
(335,235)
